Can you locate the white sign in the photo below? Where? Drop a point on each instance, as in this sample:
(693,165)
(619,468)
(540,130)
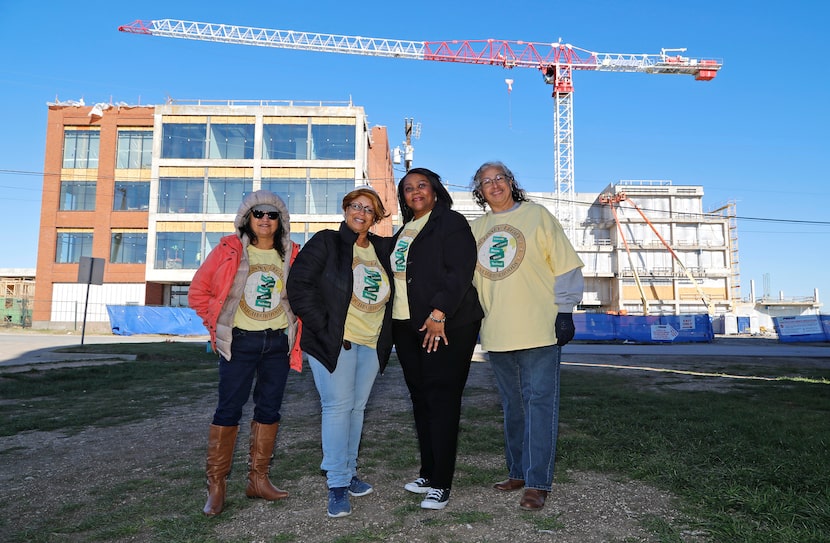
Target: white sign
(663,332)
(799,326)
(687,322)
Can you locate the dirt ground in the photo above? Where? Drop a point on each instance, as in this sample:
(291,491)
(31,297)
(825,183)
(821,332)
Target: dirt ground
(40,472)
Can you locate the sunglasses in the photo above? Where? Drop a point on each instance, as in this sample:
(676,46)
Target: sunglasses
(273,215)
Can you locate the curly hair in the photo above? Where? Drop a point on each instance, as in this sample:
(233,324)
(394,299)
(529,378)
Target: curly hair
(517,192)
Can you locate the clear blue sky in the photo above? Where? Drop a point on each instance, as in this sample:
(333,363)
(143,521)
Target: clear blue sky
(756,135)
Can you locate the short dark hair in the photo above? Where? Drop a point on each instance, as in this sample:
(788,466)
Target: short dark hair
(517,192)
(377,203)
(440,191)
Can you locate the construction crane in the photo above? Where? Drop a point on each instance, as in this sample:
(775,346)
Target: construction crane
(555,60)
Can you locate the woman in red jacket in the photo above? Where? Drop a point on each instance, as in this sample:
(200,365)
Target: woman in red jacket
(239,292)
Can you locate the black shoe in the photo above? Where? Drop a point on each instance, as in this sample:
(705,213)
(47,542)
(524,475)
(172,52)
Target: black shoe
(437,498)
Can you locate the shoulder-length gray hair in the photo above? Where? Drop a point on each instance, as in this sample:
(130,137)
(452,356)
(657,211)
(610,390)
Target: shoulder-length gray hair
(517,192)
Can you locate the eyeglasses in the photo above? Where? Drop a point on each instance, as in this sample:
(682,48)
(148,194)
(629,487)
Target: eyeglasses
(357,208)
(273,215)
(492,181)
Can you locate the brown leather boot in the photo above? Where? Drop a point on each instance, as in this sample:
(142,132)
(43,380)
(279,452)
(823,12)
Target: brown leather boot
(263,437)
(221,441)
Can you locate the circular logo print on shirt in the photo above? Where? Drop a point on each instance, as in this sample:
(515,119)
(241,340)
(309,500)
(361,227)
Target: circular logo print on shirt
(371,289)
(261,298)
(500,252)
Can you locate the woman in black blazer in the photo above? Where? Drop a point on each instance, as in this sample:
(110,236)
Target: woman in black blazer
(436,317)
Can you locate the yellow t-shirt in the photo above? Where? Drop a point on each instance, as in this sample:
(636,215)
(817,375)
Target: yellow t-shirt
(259,308)
(400,303)
(520,253)
(370,293)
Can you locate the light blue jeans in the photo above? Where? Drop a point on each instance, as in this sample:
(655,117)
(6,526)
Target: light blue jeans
(343,397)
(528,381)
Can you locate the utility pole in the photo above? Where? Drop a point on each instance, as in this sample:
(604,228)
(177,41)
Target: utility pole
(408,151)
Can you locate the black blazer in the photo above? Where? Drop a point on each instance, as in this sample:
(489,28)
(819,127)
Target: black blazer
(439,270)
(320,289)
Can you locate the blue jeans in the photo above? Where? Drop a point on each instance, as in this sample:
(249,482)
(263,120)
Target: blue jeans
(261,354)
(528,381)
(343,397)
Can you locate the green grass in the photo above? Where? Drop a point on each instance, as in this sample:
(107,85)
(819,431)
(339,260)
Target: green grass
(71,399)
(748,465)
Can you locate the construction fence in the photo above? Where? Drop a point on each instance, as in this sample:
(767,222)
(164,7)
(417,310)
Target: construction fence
(182,321)
(803,329)
(643,329)
(128,320)
(131,319)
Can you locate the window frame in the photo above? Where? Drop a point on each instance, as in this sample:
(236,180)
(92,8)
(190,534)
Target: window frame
(82,200)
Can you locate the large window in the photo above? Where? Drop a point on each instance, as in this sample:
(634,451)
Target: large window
(178,295)
(177,250)
(225,195)
(332,142)
(231,141)
(285,141)
(183,140)
(131,196)
(128,247)
(292,192)
(327,195)
(77,196)
(135,149)
(80,148)
(180,195)
(72,246)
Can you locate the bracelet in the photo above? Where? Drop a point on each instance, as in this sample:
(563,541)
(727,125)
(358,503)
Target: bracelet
(433,319)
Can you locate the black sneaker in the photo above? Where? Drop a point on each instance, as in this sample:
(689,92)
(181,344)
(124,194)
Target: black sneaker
(418,486)
(437,498)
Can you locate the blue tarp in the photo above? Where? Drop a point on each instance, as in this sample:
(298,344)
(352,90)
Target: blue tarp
(802,329)
(638,329)
(128,320)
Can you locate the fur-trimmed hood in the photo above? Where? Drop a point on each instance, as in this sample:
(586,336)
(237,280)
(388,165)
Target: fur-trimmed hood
(264,197)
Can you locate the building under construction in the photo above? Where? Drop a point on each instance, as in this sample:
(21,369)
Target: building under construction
(649,248)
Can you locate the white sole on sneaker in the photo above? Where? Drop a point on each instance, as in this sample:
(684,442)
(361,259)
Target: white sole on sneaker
(359,494)
(430,504)
(415,489)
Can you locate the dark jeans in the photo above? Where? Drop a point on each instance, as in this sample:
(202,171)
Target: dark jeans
(436,382)
(263,355)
